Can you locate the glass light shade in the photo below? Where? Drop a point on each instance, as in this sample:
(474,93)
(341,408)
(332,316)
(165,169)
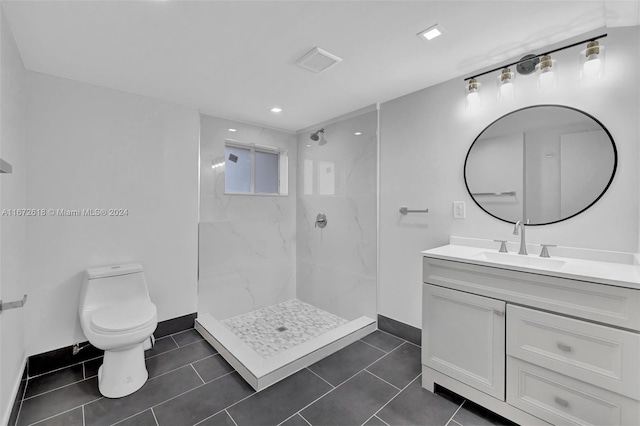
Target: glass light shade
(547,70)
(592,61)
(472,94)
(506,88)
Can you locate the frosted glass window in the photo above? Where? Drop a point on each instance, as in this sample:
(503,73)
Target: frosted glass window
(253,169)
(267,172)
(237,174)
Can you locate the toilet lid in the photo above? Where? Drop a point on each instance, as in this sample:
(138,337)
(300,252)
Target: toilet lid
(123,316)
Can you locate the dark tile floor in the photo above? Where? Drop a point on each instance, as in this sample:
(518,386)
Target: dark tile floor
(374,381)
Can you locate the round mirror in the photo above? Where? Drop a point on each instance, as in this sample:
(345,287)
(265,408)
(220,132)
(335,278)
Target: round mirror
(541,164)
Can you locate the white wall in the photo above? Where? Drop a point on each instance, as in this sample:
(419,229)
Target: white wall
(90,148)
(12,228)
(247,242)
(425,137)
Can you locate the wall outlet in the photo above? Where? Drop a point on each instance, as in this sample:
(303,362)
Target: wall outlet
(459,210)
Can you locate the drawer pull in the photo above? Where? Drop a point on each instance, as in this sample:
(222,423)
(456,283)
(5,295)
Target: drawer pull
(498,313)
(563,347)
(561,402)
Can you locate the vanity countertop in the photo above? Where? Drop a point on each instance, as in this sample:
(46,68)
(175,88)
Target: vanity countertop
(603,267)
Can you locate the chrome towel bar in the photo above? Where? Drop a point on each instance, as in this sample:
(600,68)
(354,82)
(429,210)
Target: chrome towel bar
(12,305)
(405,210)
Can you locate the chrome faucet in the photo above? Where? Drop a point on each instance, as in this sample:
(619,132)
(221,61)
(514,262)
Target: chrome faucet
(523,244)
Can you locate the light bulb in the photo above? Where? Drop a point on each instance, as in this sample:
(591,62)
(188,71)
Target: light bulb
(472,91)
(591,67)
(546,71)
(506,89)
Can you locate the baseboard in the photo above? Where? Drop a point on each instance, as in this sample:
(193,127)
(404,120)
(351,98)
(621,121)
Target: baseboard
(400,329)
(63,357)
(11,416)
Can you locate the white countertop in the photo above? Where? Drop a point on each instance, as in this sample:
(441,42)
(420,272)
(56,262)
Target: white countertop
(604,267)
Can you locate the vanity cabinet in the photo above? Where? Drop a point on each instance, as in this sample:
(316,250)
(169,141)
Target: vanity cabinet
(534,348)
(466,338)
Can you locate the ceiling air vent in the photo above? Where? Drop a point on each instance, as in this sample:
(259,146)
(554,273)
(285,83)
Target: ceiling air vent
(318,60)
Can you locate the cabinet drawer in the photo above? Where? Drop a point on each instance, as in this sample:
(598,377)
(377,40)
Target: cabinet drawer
(562,400)
(596,354)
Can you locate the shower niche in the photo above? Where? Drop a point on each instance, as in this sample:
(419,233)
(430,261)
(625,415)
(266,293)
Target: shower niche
(276,292)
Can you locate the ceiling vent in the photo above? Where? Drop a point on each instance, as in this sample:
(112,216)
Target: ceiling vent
(318,60)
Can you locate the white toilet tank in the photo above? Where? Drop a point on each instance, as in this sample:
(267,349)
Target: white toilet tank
(113,284)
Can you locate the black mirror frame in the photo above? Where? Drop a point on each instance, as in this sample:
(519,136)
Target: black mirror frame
(613,172)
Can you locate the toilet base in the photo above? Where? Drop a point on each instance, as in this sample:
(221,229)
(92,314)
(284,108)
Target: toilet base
(122,372)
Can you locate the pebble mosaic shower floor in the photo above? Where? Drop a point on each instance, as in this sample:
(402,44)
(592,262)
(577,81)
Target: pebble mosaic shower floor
(276,328)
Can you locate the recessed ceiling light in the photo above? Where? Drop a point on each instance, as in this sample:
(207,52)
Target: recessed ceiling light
(276,109)
(232,130)
(357,133)
(431,32)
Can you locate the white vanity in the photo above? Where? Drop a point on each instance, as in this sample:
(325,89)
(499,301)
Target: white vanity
(535,340)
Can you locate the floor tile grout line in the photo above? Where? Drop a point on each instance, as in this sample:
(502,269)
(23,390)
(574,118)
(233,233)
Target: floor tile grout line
(87,378)
(320,377)
(54,415)
(360,371)
(54,389)
(374,346)
(192,389)
(174,341)
(229,414)
(153,413)
(336,387)
(394,397)
(225,409)
(305,419)
(377,377)
(393,335)
(456,412)
(176,348)
(84,422)
(24,392)
(198,374)
(381,420)
(78,381)
(454,422)
(100,356)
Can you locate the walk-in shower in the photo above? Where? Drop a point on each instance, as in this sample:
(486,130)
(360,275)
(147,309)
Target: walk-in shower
(276,292)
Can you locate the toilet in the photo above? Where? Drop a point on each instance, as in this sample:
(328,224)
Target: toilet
(116,315)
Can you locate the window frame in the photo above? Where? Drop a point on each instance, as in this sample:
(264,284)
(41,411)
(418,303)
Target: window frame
(283,168)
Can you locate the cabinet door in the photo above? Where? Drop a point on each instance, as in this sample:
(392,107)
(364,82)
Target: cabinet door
(463,336)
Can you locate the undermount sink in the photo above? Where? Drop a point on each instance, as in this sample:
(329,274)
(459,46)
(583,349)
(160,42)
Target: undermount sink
(520,260)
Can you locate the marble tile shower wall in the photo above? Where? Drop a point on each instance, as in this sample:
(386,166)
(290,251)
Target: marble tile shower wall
(247,244)
(336,266)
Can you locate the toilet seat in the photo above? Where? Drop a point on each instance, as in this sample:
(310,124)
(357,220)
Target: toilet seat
(123,317)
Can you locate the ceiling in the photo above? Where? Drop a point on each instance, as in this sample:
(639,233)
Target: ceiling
(236,59)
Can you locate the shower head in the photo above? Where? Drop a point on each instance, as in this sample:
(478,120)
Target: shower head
(318,136)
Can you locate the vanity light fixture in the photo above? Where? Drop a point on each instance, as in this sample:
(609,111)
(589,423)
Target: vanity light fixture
(431,32)
(357,133)
(472,93)
(276,109)
(591,65)
(546,70)
(232,130)
(506,89)
(592,60)
(215,165)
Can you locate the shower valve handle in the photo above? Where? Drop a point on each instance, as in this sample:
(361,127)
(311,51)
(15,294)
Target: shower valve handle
(321,220)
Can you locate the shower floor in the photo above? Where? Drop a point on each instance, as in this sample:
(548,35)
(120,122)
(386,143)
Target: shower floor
(276,328)
(271,343)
